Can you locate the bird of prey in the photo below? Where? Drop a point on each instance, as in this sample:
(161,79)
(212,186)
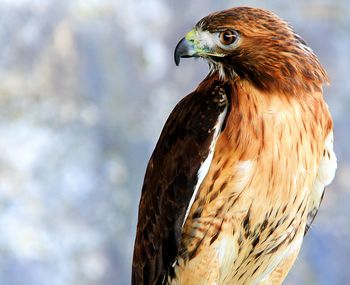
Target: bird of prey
(240,167)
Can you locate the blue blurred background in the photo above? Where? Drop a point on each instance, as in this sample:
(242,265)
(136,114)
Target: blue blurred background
(85,88)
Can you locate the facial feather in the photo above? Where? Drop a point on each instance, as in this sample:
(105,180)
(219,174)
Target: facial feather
(269,53)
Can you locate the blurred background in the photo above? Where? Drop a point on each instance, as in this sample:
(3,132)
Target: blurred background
(85,88)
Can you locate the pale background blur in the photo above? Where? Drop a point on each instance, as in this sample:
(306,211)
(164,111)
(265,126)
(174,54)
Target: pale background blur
(85,88)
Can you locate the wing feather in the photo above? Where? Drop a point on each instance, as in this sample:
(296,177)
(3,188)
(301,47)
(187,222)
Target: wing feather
(172,178)
(325,175)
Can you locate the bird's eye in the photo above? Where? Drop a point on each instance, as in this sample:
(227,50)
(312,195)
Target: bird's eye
(227,37)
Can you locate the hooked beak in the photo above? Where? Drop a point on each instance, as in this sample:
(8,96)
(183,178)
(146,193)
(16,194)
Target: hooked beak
(184,48)
(196,44)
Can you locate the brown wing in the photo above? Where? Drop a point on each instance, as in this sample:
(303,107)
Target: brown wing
(171,177)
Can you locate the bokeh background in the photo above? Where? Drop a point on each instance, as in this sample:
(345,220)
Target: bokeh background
(85,88)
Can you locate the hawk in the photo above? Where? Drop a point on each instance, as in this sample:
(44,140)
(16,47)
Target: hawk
(240,167)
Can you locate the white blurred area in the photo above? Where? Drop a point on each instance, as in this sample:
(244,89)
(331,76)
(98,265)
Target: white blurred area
(85,88)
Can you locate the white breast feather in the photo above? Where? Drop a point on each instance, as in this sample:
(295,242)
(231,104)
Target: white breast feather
(325,173)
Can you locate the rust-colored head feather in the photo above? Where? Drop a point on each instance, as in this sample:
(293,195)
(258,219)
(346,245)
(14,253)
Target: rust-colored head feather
(266,50)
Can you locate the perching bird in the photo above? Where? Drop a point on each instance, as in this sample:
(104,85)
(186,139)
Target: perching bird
(240,167)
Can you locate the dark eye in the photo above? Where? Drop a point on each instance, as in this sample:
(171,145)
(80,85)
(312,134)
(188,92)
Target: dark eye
(227,37)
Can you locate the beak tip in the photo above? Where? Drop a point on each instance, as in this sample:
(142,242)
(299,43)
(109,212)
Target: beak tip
(177,60)
(181,50)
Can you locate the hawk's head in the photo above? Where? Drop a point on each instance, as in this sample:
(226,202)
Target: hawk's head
(256,45)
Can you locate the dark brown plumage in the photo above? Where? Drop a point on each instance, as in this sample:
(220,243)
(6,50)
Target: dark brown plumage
(173,167)
(239,170)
